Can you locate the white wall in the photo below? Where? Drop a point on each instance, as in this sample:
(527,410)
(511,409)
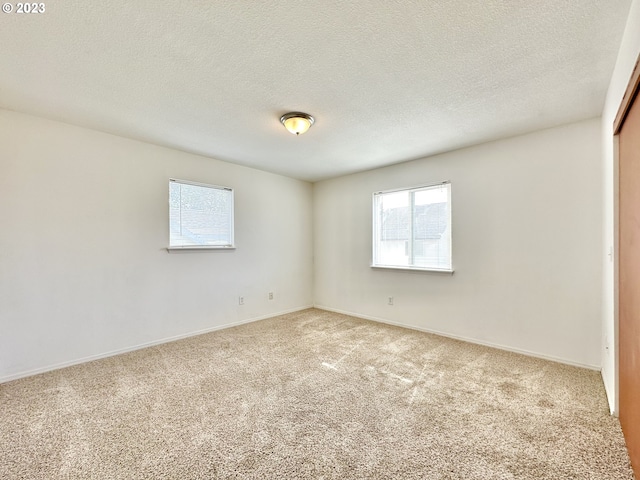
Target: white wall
(84,271)
(84,225)
(627,57)
(527,222)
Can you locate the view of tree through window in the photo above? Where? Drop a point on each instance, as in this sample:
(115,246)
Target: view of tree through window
(412,228)
(200,215)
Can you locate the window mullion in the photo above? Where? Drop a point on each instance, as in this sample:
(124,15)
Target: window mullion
(412,206)
(380,233)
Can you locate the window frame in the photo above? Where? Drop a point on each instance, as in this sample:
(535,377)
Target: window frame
(231,244)
(376,229)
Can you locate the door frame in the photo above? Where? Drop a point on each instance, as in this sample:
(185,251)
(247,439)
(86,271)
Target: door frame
(633,88)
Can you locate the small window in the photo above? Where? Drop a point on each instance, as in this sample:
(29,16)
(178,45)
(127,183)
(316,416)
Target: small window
(412,228)
(200,216)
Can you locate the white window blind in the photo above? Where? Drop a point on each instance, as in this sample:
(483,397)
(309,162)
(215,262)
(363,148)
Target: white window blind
(412,228)
(200,215)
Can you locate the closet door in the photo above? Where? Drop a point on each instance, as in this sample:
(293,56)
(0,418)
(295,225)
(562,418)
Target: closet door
(629,278)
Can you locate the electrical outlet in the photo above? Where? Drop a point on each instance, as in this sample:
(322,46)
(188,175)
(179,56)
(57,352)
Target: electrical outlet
(390,301)
(240,300)
(270,295)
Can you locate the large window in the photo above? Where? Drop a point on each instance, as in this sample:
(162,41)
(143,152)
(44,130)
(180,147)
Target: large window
(412,228)
(200,216)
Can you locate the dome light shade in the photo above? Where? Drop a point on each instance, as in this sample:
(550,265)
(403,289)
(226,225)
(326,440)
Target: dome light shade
(297,122)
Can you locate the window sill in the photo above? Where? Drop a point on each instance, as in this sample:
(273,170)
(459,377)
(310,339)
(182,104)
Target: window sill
(414,269)
(200,247)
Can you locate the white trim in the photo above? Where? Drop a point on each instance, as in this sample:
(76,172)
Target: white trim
(613,409)
(419,187)
(464,339)
(174,338)
(414,269)
(198,184)
(201,247)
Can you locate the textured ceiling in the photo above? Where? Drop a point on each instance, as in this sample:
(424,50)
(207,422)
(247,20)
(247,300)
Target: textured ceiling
(387,81)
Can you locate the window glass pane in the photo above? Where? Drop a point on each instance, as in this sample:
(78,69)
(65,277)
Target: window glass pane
(394,211)
(431,242)
(200,215)
(412,228)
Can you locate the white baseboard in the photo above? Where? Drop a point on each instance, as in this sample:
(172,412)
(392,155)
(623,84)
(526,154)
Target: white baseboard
(464,339)
(112,353)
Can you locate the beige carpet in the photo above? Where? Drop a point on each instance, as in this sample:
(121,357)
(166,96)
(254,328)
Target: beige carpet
(311,394)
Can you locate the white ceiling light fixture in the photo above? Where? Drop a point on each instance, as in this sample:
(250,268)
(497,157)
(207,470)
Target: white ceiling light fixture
(297,122)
